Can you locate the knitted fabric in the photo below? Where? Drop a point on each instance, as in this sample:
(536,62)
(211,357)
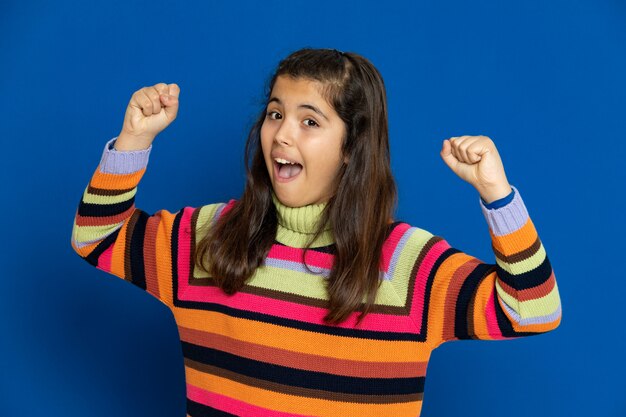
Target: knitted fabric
(265,351)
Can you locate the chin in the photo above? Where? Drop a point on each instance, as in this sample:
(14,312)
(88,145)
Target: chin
(287,201)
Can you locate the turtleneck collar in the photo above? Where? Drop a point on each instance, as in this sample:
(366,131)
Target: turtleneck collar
(296,225)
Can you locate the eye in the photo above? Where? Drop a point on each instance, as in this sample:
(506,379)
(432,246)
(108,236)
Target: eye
(273,115)
(314,123)
(270,113)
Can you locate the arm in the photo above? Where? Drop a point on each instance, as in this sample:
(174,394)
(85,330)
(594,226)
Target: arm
(517,296)
(113,235)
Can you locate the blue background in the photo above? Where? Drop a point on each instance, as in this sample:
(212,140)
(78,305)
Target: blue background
(544,80)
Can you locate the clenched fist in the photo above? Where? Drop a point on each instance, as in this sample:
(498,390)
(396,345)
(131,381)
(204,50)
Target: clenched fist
(150,110)
(476,160)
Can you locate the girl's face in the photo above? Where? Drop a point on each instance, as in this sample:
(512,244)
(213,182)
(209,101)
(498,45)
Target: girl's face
(300,126)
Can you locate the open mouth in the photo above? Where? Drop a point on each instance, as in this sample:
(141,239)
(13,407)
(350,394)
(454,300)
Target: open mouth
(286,172)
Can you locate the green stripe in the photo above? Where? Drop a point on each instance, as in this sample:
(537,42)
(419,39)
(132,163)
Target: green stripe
(531,308)
(408,256)
(525,265)
(108,199)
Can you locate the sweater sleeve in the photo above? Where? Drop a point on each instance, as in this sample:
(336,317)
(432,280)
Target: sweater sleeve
(517,296)
(110,233)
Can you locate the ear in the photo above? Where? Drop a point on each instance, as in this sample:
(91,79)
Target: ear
(346,159)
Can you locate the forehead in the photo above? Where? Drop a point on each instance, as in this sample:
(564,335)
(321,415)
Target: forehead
(297,90)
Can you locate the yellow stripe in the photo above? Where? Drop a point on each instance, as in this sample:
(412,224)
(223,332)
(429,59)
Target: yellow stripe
(525,265)
(89,233)
(411,250)
(531,308)
(205,215)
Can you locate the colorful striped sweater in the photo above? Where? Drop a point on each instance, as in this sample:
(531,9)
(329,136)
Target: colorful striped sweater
(265,351)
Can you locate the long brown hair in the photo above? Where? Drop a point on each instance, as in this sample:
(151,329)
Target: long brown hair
(360,210)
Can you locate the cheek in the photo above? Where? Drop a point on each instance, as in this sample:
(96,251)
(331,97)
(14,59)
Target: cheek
(324,168)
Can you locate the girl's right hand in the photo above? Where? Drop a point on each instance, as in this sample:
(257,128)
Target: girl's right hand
(150,110)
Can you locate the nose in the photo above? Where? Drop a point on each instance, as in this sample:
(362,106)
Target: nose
(284,135)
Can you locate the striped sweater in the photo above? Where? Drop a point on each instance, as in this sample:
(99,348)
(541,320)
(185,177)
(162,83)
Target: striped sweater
(265,351)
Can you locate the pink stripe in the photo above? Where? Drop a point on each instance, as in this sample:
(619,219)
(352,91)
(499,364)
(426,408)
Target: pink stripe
(231,405)
(288,309)
(270,306)
(492,321)
(104,261)
(184,249)
(287,253)
(419,292)
(325,260)
(391,244)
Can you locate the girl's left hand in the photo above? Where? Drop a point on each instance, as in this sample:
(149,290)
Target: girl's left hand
(476,160)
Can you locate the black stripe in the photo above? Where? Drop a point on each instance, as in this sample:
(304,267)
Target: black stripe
(332,248)
(137,270)
(296,324)
(195,409)
(429,285)
(92,258)
(174,251)
(528,279)
(265,318)
(505,325)
(302,378)
(104,210)
(467,291)
(392,226)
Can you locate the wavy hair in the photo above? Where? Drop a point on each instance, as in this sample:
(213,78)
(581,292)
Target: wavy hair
(359,212)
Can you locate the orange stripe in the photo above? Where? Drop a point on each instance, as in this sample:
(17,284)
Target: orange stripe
(150,255)
(308,362)
(164,258)
(456,282)
(267,334)
(439,290)
(116,181)
(297,404)
(117,256)
(85,250)
(516,241)
(483,292)
(104,220)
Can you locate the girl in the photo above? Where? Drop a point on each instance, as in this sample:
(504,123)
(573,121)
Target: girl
(304,297)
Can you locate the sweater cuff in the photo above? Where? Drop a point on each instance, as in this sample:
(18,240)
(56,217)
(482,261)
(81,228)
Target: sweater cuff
(500,202)
(508,218)
(123,162)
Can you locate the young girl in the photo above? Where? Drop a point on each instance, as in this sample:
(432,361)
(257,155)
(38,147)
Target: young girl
(304,297)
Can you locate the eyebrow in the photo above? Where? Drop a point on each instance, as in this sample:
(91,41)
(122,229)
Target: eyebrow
(304,106)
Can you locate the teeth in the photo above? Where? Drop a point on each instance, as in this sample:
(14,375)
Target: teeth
(284,161)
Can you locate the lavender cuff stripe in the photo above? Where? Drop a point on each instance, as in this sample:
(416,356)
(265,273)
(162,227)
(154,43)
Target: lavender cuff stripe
(508,218)
(123,162)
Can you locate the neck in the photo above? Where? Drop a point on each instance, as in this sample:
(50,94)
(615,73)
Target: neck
(297,225)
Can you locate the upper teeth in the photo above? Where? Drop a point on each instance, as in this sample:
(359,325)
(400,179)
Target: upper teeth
(284,161)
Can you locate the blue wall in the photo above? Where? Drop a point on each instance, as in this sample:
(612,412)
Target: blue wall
(544,80)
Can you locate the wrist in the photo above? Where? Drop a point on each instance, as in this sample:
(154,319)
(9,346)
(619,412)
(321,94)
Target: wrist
(491,194)
(127,142)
